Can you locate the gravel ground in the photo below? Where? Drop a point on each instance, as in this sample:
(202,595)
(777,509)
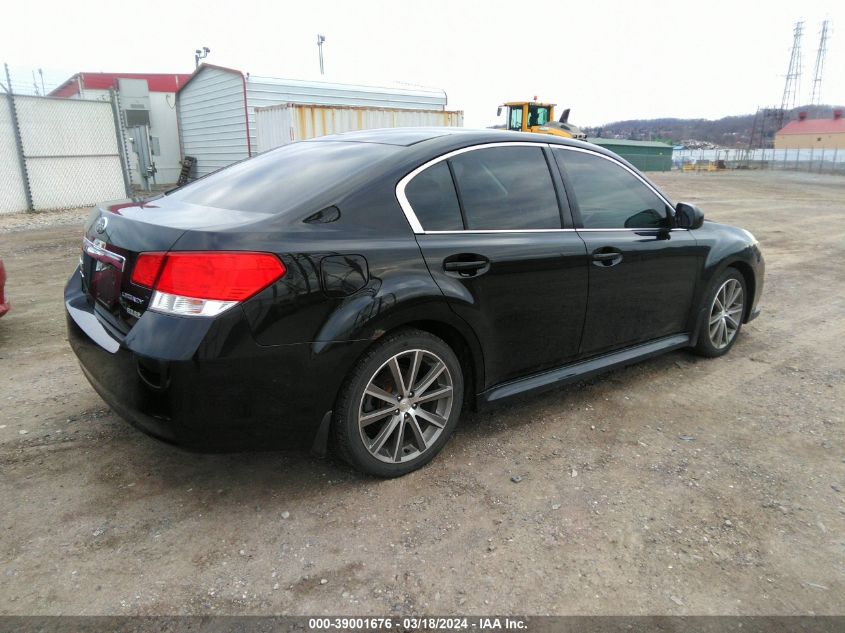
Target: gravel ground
(676,486)
(13,222)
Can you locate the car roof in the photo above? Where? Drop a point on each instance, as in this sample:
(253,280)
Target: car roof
(408,136)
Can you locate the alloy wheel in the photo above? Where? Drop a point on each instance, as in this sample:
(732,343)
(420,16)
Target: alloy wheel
(405,406)
(726,313)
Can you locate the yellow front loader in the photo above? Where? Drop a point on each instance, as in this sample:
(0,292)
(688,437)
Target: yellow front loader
(532,116)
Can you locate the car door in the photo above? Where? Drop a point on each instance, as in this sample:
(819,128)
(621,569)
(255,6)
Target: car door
(500,244)
(642,272)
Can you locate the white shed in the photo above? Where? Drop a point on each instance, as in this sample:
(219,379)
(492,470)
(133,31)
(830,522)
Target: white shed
(216,109)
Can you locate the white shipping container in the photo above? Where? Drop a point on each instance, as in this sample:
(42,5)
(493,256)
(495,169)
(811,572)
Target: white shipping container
(216,108)
(285,123)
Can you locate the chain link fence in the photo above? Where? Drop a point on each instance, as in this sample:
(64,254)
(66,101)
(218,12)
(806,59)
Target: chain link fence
(60,153)
(13,189)
(819,160)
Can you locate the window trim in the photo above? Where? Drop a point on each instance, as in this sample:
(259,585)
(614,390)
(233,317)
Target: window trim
(408,210)
(418,229)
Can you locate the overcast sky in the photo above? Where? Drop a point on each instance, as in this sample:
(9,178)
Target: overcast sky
(606,60)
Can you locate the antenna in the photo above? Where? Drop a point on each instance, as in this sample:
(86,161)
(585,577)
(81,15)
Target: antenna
(793,75)
(816,97)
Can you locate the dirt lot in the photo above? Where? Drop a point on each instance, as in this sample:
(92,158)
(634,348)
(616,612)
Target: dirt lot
(678,486)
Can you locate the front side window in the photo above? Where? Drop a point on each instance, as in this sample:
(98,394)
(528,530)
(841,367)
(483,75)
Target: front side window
(506,188)
(431,194)
(609,196)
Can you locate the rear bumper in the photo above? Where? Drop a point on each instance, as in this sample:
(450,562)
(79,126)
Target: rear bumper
(205,384)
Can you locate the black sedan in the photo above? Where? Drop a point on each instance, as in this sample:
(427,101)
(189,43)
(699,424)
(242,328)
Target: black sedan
(356,291)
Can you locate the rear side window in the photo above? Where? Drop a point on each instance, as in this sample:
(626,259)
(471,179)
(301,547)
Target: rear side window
(609,196)
(285,177)
(506,188)
(432,196)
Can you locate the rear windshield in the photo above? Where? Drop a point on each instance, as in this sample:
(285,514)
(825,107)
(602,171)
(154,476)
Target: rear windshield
(285,177)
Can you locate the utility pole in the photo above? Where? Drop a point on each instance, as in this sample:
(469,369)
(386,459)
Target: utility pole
(816,97)
(320,40)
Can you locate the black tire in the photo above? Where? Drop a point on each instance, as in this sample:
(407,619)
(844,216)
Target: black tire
(349,438)
(706,346)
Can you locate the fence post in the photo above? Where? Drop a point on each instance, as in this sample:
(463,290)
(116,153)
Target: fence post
(18,140)
(121,142)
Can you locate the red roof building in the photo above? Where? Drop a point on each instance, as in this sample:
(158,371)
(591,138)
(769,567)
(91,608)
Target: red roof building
(157,82)
(804,133)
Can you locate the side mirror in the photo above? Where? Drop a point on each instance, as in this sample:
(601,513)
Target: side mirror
(688,216)
(499,111)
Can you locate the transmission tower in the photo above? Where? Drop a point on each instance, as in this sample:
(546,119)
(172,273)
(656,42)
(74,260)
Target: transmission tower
(792,88)
(816,98)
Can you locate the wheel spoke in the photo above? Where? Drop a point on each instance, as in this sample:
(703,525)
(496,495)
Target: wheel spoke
(397,376)
(736,290)
(375,416)
(430,377)
(714,318)
(383,435)
(724,333)
(433,418)
(400,439)
(414,369)
(434,395)
(730,321)
(419,440)
(381,394)
(714,329)
(718,339)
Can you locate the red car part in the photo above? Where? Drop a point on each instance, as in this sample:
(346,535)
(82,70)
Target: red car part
(4,305)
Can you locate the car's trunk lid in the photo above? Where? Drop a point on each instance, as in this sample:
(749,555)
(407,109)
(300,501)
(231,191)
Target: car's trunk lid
(115,234)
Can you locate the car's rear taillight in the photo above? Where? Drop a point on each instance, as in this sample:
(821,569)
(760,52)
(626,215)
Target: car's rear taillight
(204,283)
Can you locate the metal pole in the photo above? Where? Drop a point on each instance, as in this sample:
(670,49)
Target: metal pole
(121,142)
(320,40)
(18,140)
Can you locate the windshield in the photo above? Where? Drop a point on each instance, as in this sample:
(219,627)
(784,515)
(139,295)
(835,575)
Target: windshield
(282,178)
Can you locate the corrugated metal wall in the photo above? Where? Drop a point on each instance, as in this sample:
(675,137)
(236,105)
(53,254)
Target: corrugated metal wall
(212,120)
(211,109)
(282,124)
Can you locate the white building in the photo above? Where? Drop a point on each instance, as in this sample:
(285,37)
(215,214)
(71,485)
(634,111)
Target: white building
(216,109)
(145,99)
